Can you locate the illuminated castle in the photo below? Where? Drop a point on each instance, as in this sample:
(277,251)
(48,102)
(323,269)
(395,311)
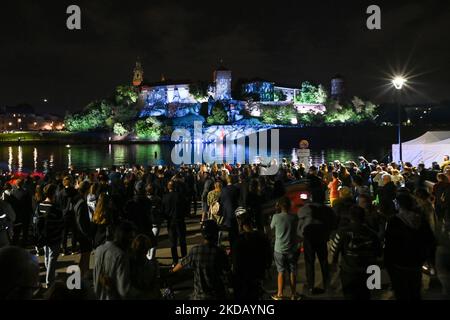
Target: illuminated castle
(176,99)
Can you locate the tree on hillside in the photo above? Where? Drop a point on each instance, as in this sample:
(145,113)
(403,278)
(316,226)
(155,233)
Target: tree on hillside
(218,114)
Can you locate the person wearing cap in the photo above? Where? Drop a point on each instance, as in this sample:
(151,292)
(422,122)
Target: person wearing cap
(209,264)
(138,210)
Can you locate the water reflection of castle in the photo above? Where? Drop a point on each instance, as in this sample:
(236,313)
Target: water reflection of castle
(175,99)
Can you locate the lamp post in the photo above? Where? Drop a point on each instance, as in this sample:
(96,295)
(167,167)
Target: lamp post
(398,83)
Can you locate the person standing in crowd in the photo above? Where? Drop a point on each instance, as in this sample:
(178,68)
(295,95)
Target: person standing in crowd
(425,205)
(7,219)
(212,201)
(342,206)
(50,227)
(209,264)
(171,208)
(138,210)
(64,202)
(284,225)
(156,216)
(397,178)
(387,195)
(22,206)
(441,194)
(254,205)
(144,271)
(208,184)
(345,177)
(373,220)
(316,221)
(333,186)
(359,187)
(112,279)
(103,220)
(83,227)
(92,198)
(409,243)
(316,185)
(229,199)
(358,247)
(249,265)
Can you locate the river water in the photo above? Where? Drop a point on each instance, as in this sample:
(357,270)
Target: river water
(28,158)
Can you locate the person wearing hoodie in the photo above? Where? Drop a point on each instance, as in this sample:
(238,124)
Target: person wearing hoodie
(409,243)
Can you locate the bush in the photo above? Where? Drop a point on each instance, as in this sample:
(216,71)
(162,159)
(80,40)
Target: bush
(119,129)
(149,128)
(218,114)
(93,117)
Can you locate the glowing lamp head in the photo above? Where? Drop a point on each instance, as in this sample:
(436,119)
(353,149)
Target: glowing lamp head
(398,82)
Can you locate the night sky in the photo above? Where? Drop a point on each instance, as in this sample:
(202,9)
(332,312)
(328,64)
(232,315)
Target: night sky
(283,41)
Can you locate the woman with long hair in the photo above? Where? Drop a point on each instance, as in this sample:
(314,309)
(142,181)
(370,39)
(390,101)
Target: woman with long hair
(102,219)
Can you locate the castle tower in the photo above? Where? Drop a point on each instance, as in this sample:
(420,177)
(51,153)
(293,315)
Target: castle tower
(222,81)
(337,87)
(138,74)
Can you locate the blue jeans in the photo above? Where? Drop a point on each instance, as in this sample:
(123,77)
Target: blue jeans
(51,254)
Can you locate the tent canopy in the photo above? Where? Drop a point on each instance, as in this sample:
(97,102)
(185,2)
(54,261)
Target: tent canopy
(428,148)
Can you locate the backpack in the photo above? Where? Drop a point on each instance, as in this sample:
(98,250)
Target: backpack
(361,245)
(40,226)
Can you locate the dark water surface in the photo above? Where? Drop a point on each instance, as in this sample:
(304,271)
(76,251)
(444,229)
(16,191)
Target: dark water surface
(29,158)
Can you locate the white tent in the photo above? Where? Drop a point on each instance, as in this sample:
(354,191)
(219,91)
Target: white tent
(430,147)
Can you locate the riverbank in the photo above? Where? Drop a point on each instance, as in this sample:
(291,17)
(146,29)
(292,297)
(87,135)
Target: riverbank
(352,136)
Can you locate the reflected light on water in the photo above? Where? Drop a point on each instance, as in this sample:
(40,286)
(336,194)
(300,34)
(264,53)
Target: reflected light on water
(69,158)
(10,158)
(20,158)
(35,159)
(51,161)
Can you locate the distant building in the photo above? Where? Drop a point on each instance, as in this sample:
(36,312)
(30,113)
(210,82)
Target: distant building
(23,118)
(289,94)
(337,87)
(138,74)
(261,90)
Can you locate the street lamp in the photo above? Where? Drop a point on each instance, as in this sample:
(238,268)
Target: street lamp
(398,83)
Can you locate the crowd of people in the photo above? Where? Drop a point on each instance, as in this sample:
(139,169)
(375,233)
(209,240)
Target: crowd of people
(357,215)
